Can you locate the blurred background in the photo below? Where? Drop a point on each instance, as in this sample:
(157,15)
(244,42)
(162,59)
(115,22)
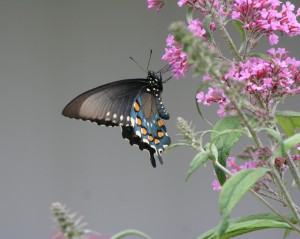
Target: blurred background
(53,50)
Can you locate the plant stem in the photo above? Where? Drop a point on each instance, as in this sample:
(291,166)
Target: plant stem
(220,166)
(225,34)
(244,117)
(294,170)
(261,199)
(286,194)
(274,210)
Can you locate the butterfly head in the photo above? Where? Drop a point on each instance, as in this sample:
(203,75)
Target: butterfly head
(155,81)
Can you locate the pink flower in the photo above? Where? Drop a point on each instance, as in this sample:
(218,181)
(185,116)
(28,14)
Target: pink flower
(155,3)
(213,26)
(296,157)
(273,39)
(231,162)
(216,185)
(182,2)
(200,97)
(247,165)
(214,95)
(170,40)
(221,111)
(235,14)
(176,57)
(196,27)
(297,146)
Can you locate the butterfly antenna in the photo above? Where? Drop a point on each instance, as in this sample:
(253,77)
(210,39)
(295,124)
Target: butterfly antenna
(168,78)
(149,60)
(165,69)
(138,64)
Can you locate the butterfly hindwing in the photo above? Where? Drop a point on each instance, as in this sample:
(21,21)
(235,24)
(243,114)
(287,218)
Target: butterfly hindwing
(147,128)
(108,105)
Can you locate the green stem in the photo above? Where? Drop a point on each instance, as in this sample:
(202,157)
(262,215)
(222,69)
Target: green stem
(286,195)
(294,170)
(274,210)
(228,40)
(261,199)
(244,117)
(224,33)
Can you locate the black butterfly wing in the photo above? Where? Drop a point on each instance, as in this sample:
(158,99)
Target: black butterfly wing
(109,104)
(147,129)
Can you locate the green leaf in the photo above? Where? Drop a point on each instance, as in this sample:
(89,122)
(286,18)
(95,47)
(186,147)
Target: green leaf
(239,26)
(261,55)
(224,143)
(213,150)
(197,161)
(233,191)
(289,143)
(206,26)
(289,121)
(172,146)
(189,14)
(246,227)
(239,226)
(286,233)
(130,232)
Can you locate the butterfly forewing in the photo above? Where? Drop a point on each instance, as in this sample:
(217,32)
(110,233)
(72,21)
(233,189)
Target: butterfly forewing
(108,105)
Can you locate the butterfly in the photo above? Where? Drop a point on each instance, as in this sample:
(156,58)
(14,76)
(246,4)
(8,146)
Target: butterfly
(133,104)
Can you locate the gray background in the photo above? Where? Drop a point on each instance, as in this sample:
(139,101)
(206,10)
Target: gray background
(50,51)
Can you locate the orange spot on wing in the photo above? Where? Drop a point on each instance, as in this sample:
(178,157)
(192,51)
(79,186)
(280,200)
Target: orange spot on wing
(136,106)
(138,121)
(150,138)
(160,134)
(160,122)
(144,131)
(156,141)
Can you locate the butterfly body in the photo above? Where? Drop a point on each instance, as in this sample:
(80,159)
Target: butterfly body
(133,104)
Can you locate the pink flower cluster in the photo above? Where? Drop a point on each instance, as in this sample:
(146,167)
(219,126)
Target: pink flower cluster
(234,169)
(158,4)
(268,80)
(176,57)
(264,17)
(215,95)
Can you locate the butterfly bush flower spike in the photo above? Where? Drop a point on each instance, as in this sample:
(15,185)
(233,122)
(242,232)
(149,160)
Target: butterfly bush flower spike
(268,80)
(267,17)
(176,57)
(70,225)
